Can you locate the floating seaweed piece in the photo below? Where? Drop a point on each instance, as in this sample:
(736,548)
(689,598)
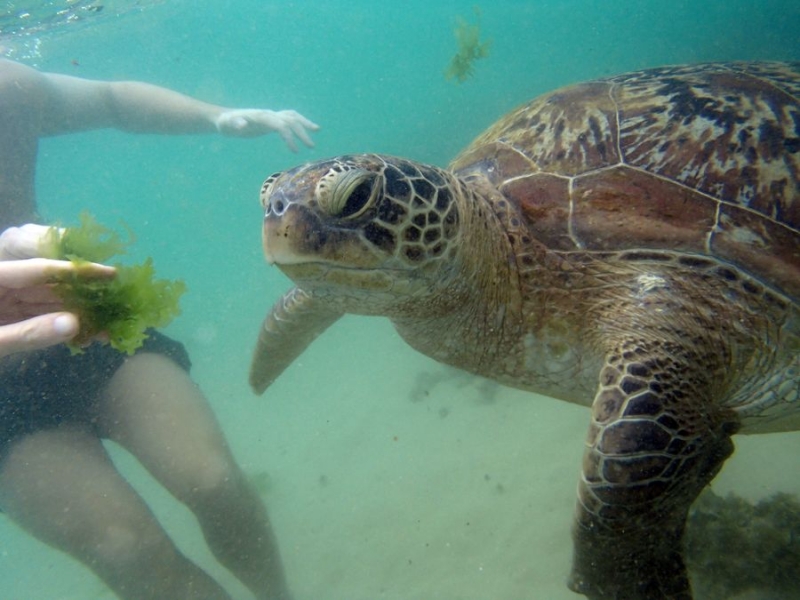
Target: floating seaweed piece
(122,308)
(470,48)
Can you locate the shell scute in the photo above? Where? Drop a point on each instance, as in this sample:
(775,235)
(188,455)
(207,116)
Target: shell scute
(698,158)
(624,208)
(717,129)
(569,132)
(761,246)
(548,218)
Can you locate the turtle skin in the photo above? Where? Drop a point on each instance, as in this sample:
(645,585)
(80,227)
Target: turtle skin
(630,244)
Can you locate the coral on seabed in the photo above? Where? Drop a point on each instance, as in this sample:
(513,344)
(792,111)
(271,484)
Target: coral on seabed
(734,546)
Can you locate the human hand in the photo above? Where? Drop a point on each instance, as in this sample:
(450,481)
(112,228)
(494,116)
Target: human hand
(31,315)
(252,122)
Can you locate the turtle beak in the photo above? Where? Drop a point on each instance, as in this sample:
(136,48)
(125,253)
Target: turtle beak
(283,223)
(279,237)
(273,238)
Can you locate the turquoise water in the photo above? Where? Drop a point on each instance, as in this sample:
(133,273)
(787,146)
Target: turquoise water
(389,475)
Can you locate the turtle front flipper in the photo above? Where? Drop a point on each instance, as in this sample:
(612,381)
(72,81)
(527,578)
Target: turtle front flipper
(656,440)
(293,323)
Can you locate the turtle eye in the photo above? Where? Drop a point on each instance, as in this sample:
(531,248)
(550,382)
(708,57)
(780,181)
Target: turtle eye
(350,194)
(358,199)
(266,188)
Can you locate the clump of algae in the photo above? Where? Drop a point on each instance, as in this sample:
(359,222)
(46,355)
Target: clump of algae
(122,308)
(470,49)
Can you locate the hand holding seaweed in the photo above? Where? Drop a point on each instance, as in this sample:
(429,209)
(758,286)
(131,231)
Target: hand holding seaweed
(123,308)
(470,49)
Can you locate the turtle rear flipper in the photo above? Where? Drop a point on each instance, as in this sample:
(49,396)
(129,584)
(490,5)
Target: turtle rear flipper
(290,326)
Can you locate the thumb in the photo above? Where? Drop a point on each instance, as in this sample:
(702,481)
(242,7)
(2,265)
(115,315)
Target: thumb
(38,332)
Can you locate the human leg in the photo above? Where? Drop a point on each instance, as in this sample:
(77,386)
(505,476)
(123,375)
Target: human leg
(61,486)
(153,409)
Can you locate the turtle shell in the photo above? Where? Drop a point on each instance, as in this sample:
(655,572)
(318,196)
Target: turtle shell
(701,159)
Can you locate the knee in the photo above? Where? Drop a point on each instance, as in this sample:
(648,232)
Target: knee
(212,480)
(126,547)
(215,474)
(120,544)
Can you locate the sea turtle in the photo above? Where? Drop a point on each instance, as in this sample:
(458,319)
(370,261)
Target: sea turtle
(631,244)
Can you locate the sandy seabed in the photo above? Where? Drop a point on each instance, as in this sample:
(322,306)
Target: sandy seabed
(389,476)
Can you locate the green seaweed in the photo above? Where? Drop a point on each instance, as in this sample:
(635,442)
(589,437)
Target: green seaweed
(470,48)
(122,308)
(89,242)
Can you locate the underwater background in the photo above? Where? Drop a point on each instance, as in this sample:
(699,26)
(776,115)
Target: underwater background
(386,474)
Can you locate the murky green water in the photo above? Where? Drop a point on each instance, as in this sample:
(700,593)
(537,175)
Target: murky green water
(388,476)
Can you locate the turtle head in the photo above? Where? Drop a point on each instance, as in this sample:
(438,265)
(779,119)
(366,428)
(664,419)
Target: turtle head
(365,231)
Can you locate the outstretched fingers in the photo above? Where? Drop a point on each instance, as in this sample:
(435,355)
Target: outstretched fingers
(251,122)
(298,125)
(291,124)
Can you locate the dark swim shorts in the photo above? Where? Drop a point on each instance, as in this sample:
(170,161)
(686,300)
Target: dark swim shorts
(41,389)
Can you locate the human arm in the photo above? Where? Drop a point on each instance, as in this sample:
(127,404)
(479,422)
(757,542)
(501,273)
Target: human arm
(72,104)
(31,315)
